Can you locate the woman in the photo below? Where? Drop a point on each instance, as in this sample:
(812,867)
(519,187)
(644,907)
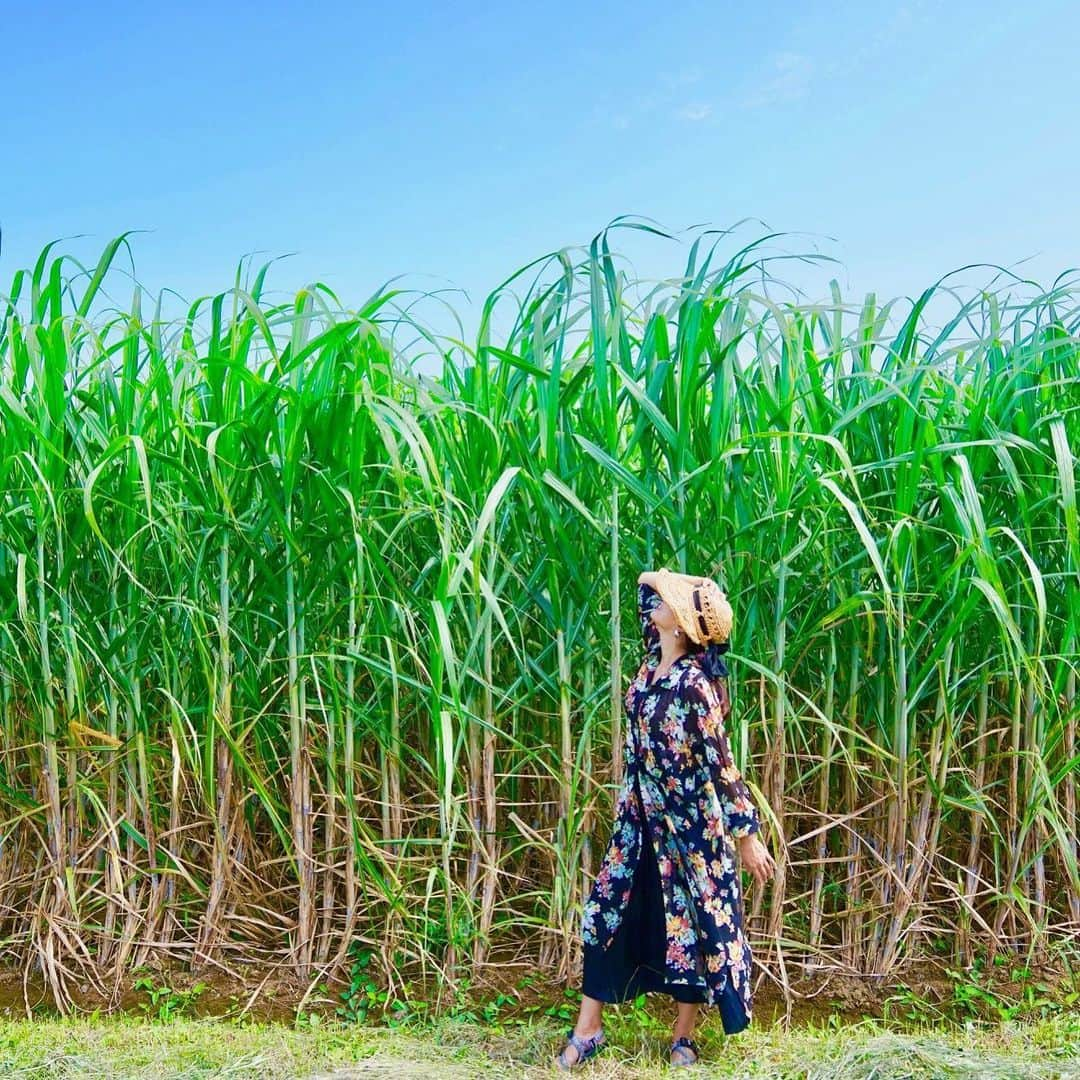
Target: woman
(665,912)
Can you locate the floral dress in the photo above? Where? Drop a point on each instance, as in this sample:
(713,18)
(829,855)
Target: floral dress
(680,772)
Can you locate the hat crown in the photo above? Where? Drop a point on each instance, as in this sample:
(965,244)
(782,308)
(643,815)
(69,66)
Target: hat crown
(716,611)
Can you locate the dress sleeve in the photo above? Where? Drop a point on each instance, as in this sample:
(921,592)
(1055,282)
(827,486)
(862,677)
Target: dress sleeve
(648,599)
(709,705)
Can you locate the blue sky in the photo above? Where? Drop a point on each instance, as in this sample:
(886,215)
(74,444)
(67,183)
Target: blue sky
(453,143)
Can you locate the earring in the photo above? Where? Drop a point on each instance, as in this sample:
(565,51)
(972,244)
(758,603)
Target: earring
(678,632)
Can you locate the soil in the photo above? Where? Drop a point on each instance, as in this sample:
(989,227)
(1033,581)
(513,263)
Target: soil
(276,997)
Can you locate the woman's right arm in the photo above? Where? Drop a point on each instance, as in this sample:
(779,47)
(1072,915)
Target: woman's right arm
(694,579)
(648,577)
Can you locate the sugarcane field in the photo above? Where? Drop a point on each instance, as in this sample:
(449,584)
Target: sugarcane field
(451,625)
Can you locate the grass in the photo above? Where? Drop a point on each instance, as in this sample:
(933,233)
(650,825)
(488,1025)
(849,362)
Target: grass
(302,653)
(192,1050)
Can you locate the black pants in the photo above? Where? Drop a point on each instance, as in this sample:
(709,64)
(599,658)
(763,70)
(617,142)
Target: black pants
(634,961)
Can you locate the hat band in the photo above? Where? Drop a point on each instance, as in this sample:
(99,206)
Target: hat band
(700,615)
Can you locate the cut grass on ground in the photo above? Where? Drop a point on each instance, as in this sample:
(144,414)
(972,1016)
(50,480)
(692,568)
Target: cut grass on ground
(196,1049)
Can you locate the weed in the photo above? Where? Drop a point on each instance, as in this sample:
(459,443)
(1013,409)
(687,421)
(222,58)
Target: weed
(166,1003)
(363,992)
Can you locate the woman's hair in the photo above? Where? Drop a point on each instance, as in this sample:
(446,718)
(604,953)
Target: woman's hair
(710,657)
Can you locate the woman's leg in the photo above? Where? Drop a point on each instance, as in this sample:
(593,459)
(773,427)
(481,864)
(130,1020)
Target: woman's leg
(588,1021)
(588,1024)
(686,1019)
(684,1028)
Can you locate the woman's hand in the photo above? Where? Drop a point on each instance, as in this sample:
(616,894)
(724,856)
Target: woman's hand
(755,856)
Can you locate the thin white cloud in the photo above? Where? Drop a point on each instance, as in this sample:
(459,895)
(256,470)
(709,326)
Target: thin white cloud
(786,77)
(683,77)
(696,112)
(789,79)
(668,87)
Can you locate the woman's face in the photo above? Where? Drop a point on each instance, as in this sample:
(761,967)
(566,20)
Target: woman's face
(664,618)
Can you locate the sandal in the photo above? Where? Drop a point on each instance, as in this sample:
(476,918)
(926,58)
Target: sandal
(586,1048)
(681,1046)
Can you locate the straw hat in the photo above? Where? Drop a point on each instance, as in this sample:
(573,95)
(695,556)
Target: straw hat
(702,611)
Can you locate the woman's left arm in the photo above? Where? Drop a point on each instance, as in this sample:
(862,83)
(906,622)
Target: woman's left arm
(709,706)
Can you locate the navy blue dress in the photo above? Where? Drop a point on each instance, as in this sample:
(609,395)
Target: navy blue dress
(675,928)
